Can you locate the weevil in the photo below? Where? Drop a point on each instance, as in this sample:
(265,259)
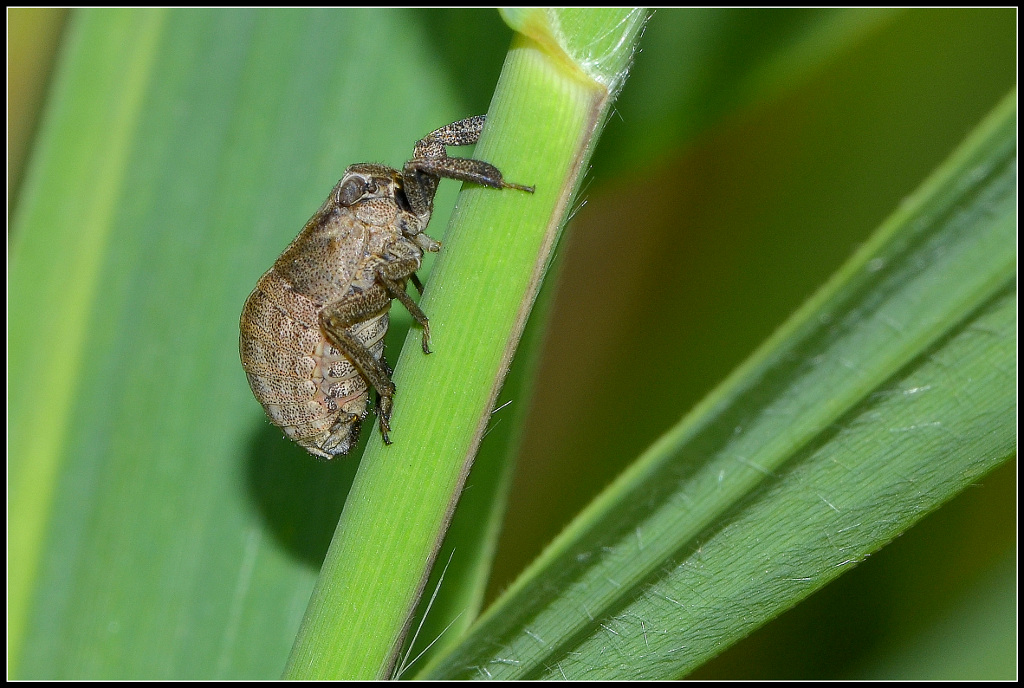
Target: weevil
(312,331)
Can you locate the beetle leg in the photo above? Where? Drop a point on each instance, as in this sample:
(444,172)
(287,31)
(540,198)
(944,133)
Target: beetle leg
(420,177)
(416,283)
(430,163)
(463,169)
(336,319)
(392,276)
(465,132)
(397,290)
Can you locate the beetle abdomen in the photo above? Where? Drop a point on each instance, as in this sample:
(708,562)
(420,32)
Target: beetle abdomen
(306,386)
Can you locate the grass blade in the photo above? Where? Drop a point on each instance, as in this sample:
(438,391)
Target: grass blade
(886,394)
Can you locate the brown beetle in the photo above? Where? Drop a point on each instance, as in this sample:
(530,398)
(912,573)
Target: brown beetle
(312,331)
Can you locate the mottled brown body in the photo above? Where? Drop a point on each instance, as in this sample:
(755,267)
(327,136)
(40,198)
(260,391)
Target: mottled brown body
(312,331)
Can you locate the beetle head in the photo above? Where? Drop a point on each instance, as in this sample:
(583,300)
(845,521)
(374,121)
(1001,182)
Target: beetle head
(367,181)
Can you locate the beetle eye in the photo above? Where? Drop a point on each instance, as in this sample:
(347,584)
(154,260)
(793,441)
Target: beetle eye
(351,191)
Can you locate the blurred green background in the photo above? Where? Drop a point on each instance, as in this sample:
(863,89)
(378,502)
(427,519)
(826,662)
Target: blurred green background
(750,152)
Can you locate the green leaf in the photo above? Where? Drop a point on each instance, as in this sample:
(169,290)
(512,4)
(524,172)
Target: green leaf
(676,272)
(160,526)
(887,393)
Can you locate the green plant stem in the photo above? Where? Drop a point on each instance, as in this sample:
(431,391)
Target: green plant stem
(542,125)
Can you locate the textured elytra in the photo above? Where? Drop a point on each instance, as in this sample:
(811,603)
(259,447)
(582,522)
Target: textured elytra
(312,331)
